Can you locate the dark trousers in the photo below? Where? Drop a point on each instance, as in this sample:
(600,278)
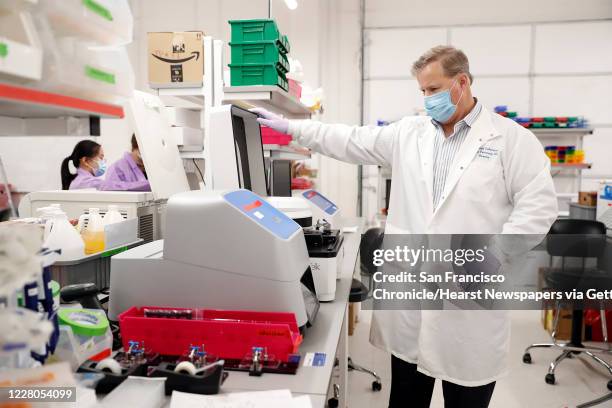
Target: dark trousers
(413,389)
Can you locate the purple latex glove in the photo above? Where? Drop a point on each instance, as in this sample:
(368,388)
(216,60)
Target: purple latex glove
(271,120)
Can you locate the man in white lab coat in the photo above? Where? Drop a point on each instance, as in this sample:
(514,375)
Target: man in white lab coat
(459,170)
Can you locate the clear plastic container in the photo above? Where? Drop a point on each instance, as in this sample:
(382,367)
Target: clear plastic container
(76,345)
(62,235)
(77,68)
(20,48)
(104,22)
(113,215)
(93,232)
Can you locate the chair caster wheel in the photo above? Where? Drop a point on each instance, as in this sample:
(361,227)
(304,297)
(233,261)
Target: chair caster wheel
(376,386)
(610,385)
(332,403)
(527,358)
(550,379)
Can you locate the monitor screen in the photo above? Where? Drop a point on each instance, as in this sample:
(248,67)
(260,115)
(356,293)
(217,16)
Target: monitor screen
(249,151)
(281,178)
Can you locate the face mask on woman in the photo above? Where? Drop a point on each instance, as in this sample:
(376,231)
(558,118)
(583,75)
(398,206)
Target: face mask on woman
(101,169)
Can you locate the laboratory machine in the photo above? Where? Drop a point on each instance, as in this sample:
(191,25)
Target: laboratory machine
(226,250)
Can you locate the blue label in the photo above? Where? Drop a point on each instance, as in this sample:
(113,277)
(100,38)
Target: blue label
(263,213)
(607,192)
(320,201)
(318,360)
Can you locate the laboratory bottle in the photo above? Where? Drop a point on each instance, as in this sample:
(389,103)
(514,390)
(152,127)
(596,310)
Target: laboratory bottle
(62,235)
(112,215)
(93,233)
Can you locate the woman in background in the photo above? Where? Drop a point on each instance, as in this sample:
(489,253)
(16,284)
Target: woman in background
(87,158)
(127,173)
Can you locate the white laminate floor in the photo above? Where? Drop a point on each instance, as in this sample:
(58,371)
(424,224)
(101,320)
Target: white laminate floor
(578,380)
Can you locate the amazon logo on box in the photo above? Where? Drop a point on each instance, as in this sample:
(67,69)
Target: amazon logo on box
(176,59)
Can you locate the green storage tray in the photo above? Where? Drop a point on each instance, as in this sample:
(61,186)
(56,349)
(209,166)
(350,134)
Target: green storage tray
(537,124)
(550,119)
(257,74)
(285,43)
(258,30)
(549,124)
(261,52)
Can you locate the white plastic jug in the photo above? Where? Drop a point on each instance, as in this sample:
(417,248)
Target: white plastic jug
(93,234)
(62,235)
(112,215)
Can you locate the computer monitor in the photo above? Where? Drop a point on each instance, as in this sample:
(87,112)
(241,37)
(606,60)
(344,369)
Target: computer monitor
(236,150)
(281,178)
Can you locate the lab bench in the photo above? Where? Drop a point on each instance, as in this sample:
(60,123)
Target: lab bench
(328,335)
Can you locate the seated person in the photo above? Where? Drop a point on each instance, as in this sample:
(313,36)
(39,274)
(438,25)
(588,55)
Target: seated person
(87,159)
(127,173)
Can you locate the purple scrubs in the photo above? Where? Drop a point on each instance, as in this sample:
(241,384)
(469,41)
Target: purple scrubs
(125,175)
(85,179)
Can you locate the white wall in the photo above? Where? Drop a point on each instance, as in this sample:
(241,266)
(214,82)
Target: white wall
(419,13)
(529,56)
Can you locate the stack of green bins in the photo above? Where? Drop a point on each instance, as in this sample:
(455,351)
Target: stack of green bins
(259,54)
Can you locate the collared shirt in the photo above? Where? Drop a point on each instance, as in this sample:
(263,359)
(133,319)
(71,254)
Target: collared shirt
(85,179)
(125,175)
(446,148)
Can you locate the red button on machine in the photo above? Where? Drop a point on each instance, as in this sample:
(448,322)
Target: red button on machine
(253,205)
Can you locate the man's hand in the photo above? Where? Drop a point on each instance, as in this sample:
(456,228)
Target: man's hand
(271,120)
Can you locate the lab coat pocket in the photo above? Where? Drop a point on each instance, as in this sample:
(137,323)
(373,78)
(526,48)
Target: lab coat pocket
(481,179)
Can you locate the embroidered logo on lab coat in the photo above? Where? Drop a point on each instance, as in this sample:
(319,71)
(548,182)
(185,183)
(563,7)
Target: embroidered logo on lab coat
(485,152)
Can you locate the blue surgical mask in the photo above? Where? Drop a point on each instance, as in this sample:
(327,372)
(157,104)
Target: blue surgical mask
(440,106)
(101,168)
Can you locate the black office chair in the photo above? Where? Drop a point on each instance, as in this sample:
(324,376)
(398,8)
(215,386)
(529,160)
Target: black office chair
(370,240)
(572,238)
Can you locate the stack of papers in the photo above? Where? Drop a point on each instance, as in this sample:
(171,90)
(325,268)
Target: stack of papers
(258,399)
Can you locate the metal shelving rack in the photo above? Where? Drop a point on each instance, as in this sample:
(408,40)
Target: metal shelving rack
(576,135)
(201,98)
(274,99)
(27,111)
(284,152)
(268,97)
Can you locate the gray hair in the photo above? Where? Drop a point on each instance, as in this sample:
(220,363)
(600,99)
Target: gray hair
(453,61)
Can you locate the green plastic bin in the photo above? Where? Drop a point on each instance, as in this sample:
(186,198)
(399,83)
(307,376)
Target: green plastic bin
(258,30)
(550,119)
(257,74)
(285,43)
(261,52)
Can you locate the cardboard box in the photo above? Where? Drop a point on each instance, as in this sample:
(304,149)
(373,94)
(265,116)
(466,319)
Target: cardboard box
(564,328)
(181,117)
(588,198)
(176,59)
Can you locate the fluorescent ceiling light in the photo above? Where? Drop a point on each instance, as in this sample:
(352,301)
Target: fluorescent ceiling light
(291,4)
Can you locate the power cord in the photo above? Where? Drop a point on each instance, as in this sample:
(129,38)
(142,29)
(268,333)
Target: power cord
(199,171)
